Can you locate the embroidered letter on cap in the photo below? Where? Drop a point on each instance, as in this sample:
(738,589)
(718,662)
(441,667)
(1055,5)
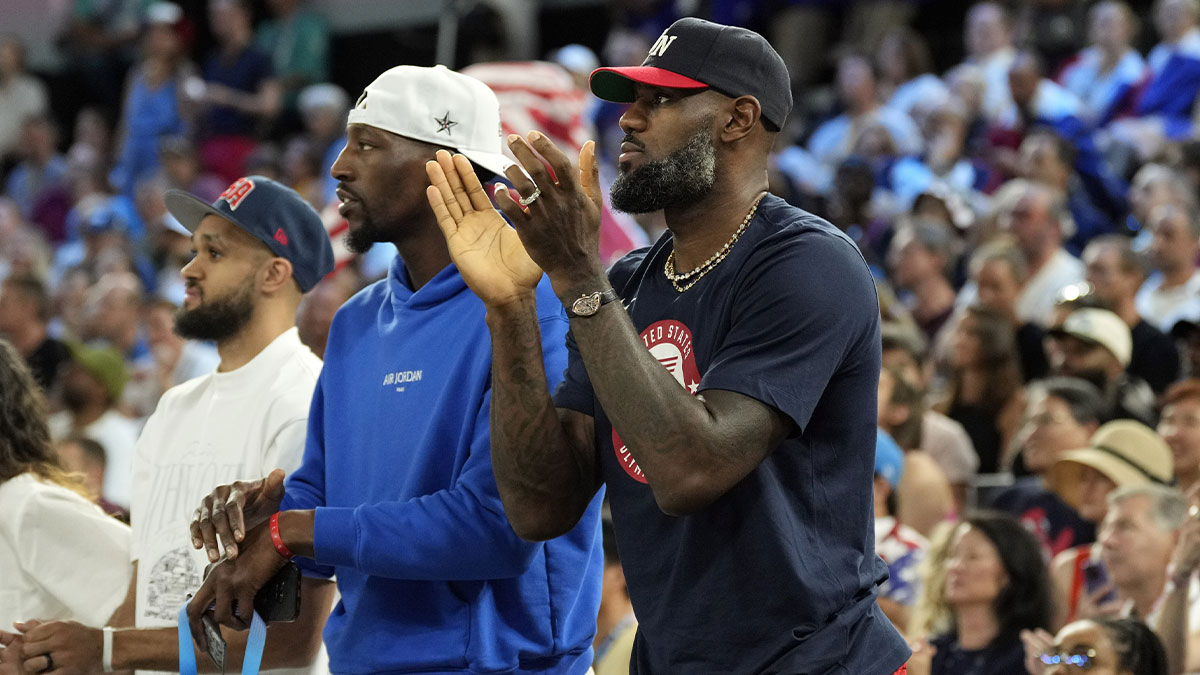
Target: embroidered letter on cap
(234,194)
(661,44)
(281,237)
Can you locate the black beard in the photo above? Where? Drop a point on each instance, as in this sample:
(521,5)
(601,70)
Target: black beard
(219,319)
(360,239)
(686,175)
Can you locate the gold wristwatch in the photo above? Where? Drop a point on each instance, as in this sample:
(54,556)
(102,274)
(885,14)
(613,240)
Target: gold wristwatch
(590,303)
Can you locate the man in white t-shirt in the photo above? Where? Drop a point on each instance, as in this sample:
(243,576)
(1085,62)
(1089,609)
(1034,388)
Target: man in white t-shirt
(259,247)
(1174,245)
(1038,222)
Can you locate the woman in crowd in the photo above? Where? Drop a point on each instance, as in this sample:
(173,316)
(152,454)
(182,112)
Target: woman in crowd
(984,389)
(993,586)
(49,533)
(1102,646)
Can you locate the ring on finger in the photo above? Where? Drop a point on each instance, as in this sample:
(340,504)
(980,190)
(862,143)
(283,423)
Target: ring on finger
(49,662)
(526,201)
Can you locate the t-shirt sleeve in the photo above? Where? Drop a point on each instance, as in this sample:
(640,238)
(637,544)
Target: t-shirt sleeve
(803,305)
(58,530)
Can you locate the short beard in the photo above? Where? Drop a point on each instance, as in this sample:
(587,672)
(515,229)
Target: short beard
(218,319)
(686,175)
(360,239)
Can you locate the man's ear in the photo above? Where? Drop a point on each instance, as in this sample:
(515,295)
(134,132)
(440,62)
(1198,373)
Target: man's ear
(275,274)
(745,115)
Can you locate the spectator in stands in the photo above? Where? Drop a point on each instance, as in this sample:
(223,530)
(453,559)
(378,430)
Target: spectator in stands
(1122,453)
(321,303)
(995,587)
(1106,75)
(1164,106)
(1096,345)
(60,556)
(921,256)
(24,317)
(924,496)
(1038,222)
(1137,539)
(114,307)
(155,106)
(904,65)
(99,41)
(240,93)
(92,384)
(899,545)
(616,626)
(41,168)
(1173,251)
(945,440)
(1062,414)
(1154,185)
(984,391)
(297,39)
(85,457)
(999,272)
(21,95)
(1180,428)
(323,111)
(182,169)
(173,359)
(989,43)
(1115,273)
(1101,645)
(1047,158)
(858,91)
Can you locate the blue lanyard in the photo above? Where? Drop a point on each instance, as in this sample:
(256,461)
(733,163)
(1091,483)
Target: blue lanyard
(252,659)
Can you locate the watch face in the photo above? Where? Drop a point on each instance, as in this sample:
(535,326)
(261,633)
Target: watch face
(587,305)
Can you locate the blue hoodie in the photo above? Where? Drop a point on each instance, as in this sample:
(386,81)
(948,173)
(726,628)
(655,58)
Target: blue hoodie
(398,468)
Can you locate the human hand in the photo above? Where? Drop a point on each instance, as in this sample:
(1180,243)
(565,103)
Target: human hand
(488,252)
(10,655)
(231,585)
(230,510)
(1036,643)
(76,649)
(1186,557)
(561,228)
(921,661)
(1094,604)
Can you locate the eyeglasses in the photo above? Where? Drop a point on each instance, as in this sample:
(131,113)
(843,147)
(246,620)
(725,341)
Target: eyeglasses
(1081,659)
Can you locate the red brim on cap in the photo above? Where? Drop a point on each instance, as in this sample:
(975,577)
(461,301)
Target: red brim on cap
(616,84)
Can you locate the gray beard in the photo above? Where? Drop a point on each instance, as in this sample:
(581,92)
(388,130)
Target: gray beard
(686,175)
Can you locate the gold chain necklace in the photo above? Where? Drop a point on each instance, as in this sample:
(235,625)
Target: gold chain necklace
(707,266)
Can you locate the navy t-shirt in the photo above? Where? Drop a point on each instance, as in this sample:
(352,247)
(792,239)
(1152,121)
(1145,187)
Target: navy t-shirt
(778,575)
(246,73)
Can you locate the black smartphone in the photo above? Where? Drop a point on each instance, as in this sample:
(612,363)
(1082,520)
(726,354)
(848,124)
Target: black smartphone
(1095,577)
(279,599)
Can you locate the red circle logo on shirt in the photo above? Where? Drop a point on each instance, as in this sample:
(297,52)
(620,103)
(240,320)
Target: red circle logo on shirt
(671,343)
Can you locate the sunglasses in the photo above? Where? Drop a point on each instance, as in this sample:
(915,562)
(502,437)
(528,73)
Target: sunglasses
(1083,660)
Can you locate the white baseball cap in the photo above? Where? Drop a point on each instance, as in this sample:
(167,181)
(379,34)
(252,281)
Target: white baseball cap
(438,106)
(1101,327)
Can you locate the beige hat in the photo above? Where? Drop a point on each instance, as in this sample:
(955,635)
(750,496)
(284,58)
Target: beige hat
(1127,452)
(1101,327)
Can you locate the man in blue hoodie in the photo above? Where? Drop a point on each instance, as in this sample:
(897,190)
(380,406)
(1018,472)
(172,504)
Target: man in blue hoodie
(395,495)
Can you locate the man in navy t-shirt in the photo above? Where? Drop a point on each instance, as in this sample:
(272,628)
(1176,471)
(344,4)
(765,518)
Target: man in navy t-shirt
(721,383)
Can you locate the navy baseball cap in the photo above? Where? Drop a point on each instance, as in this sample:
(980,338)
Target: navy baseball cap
(274,214)
(697,54)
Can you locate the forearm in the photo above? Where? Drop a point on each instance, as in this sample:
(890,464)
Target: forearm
(677,442)
(543,481)
(1172,627)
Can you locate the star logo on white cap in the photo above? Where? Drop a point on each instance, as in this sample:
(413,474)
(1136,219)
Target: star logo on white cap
(444,123)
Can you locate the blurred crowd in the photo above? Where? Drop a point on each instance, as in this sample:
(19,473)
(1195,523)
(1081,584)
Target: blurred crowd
(1030,215)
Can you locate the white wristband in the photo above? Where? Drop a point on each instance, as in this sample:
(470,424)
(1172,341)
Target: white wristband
(108,638)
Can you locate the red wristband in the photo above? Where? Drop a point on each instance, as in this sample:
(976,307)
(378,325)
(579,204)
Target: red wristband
(278,540)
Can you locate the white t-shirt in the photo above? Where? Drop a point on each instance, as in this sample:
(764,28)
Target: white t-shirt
(1160,306)
(118,434)
(1036,302)
(61,557)
(206,432)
